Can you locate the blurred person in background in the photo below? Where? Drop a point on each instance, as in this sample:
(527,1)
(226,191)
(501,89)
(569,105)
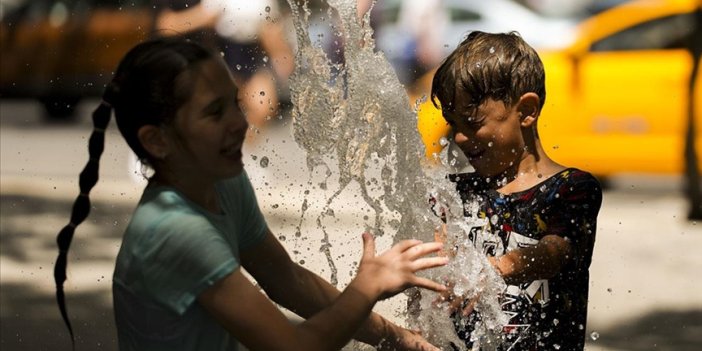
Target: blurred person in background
(251,37)
(425,22)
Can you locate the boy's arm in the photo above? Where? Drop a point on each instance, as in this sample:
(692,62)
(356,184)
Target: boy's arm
(571,235)
(542,261)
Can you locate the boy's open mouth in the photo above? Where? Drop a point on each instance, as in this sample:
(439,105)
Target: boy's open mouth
(474,154)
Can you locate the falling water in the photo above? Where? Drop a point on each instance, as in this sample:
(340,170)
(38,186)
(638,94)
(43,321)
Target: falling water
(355,121)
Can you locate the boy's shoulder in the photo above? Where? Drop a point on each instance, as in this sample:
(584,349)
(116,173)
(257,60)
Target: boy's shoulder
(571,178)
(575,178)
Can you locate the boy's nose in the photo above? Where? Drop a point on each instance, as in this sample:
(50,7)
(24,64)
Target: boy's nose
(459,137)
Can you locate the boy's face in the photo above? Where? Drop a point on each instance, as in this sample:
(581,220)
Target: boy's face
(490,135)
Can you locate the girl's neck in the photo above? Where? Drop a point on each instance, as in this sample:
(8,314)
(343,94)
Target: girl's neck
(195,189)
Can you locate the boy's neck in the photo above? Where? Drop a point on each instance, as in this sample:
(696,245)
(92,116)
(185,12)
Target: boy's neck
(534,167)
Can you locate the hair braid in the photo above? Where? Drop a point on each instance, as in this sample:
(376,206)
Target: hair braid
(81,207)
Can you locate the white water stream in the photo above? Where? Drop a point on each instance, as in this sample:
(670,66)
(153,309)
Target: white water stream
(356,124)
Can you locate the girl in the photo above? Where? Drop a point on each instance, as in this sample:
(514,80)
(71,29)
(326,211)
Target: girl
(178,282)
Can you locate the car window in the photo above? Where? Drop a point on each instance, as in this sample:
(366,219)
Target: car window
(670,32)
(463,15)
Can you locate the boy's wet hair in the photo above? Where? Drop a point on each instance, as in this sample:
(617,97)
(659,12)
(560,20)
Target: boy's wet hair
(148,88)
(501,66)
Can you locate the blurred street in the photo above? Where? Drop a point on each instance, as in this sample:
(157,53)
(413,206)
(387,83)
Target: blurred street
(645,285)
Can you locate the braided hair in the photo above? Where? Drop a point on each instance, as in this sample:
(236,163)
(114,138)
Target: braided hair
(147,89)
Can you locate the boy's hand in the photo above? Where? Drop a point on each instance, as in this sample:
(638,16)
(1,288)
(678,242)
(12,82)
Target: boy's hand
(467,306)
(440,235)
(406,339)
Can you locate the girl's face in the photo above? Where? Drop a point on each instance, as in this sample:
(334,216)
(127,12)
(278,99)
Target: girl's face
(208,130)
(489,135)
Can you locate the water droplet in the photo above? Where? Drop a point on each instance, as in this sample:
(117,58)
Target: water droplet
(302,261)
(281,238)
(478,64)
(556,346)
(268,9)
(492,49)
(264,162)
(555,147)
(262,93)
(238,67)
(265,59)
(443,141)
(490,144)
(254,157)
(609,290)
(275,206)
(594,336)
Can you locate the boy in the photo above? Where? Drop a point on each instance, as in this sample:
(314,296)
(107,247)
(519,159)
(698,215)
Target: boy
(537,218)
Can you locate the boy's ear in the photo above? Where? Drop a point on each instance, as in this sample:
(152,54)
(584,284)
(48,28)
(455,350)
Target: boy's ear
(528,108)
(154,141)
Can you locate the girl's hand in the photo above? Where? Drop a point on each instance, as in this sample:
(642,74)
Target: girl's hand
(406,340)
(394,270)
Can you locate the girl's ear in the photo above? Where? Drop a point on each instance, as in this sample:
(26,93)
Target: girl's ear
(154,141)
(528,107)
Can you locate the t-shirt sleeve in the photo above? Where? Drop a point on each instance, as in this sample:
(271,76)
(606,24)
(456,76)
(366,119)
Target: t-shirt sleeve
(574,216)
(186,256)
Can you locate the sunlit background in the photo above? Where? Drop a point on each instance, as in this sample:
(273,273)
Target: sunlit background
(624,99)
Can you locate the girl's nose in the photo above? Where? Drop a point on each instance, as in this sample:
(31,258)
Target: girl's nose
(237,123)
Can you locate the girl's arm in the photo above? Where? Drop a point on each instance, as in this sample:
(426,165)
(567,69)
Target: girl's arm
(253,319)
(305,293)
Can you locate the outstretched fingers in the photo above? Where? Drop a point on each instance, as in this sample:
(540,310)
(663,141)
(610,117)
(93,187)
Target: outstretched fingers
(422,249)
(405,245)
(368,246)
(428,262)
(428,284)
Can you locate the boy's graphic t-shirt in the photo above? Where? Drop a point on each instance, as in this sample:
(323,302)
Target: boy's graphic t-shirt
(549,313)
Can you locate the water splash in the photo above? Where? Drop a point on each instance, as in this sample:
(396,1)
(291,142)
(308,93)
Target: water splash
(355,120)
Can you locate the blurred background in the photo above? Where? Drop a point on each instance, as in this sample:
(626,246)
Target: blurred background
(623,101)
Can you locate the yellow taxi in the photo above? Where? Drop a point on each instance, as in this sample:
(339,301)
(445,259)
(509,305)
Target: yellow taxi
(58,51)
(618,97)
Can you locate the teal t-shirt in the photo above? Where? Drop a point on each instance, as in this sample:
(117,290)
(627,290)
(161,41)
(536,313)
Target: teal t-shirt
(172,250)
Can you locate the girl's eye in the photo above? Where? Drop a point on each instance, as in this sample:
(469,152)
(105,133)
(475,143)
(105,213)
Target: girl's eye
(217,112)
(214,109)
